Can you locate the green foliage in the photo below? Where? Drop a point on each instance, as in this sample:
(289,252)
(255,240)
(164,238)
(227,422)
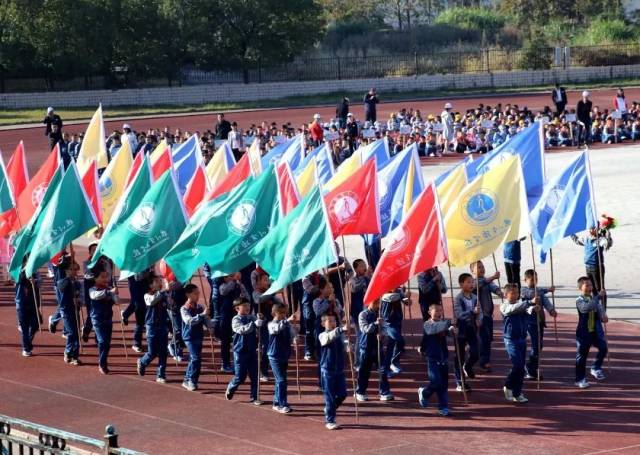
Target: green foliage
(606,31)
(536,54)
(478,19)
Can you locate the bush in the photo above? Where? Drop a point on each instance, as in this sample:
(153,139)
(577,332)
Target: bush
(475,19)
(536,54)
(606,31)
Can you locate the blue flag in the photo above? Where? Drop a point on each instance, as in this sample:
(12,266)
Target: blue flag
(567,206)
(529,144)
(378,149)
(186,159)
(291,151)
(324,163)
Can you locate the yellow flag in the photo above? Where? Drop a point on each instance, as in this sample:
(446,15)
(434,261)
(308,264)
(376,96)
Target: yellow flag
(218,166)
(93,145)
(491,210)
(158,151)
(307,179)
(450,188)
(346,170)
(114,180)
(255,156)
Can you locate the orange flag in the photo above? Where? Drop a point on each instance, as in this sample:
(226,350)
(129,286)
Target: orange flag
(90,185)
(18,179)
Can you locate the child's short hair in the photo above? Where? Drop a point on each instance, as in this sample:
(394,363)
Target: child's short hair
(463,277)
(65,263)
(357,262)
(277,307)
(510,287)
(582,279)
(190,288)
(322,283)
(474,264)
(529,273)
(326,316)
(240,301)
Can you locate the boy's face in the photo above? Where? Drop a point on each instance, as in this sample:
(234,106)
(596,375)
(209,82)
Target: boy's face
(329,323)
(101,279)
(327,291)
(263,283)
(512,295)
(586,288)
(467,284)
(194,295)
(435,311)
(478,269)
(156,284)
(531,281)
(244,309)
(361,268)
(375,305)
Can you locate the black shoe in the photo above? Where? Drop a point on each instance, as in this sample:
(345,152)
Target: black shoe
(140,368)
(85,334)
(52,326)
(228,394)
(468,372)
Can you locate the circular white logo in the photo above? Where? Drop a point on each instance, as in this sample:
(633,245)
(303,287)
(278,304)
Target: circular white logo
(106,187)
(554,197)
(38,194)
(399,239)
(241,219)
(141,220)
(343,207)
(481,207)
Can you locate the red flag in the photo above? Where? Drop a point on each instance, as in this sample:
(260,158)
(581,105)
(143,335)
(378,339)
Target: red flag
(287,189)
(240,172)
(162,164)
(417,244)
(196,190)
(18,179)
(137,161)
(353,205)
(165,271)
(32,195)
(90,184)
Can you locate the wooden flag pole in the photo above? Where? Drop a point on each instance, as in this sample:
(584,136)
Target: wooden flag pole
(495,265)
(295,345)
(124,342)
(538,317)
(553,296)
(213,352)
(347,294)
(455,339)
(604,302)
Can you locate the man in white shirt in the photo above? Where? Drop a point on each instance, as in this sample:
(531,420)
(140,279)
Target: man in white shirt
(236,141)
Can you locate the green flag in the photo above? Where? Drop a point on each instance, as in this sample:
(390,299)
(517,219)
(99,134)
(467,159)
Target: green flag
(151,229)
(23,241)
(6,197)
(125,207)
(67,215)
(300,244)
(222,231)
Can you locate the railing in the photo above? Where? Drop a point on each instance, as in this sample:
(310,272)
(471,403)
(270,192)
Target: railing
(21,437)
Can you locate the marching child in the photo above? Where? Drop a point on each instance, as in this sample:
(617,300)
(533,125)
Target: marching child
(27,296)
(515,316)
(436,330)
(68,289)
(102,301)
(177,298)
(194,317)
(229,290)
(466,310)
(281,334)
(358,284)
(487,287)
(431,288)
(590,332)
(138,285)
(264,304)
(157,325)
(537,321)
(392,312)
(334,385)
(371,326)
(310,293)
(245,328)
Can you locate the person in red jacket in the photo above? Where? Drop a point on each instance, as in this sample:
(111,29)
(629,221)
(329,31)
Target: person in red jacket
(316,130)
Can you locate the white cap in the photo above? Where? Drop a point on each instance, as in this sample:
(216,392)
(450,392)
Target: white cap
(316,116)
(349,114)
(585,94)
(448,106)
(49,110)
(126,126)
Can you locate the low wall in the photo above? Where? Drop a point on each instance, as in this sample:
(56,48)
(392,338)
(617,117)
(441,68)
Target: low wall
(200,94)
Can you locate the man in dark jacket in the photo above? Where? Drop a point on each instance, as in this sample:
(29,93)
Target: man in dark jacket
(583,112)
(559,98)
(222,128)
(341,112)
(53,127)
(370,101)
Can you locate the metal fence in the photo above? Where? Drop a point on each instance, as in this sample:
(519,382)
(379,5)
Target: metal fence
(20,437)
(374,66)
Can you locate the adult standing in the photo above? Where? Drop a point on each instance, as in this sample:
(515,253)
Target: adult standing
(559,97)
(620,103)
(341,112)
(53,127)
(370,101)
(222,128)
(236,141)
(583,112)
(447,127)
(316,131)
(352,132)
(129,135)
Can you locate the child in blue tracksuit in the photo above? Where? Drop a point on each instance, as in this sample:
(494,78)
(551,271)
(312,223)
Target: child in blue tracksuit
(264,304)
(229,290)
(194,317)
(537,321)
(358,284)
(590,332)
(371,329)
(309,294)
(515,317)
(431,288)
(466,309)
(177,298)
(245,344)
(138,285)
(102,301)
(392,312)
(281,334)
(157,325)
(485,329)
(27,297)
(58,274)
(595,244)
(334,385)
(512,255)
(436,330)
(68,290)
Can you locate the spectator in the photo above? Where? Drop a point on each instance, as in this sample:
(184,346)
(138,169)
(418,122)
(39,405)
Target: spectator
(370,101)
(620,104)
(342,111)
(116,144)
(223,127)
(447,127)
(64,150)
(236,141)
(74,146)
(316,131)
(53,128)
(559,97)
(130,136)
(352,132)
(583,112)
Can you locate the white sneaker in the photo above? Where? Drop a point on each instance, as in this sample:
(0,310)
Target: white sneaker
(582,384)
(508,394)
(395,369)
(26,353)
(264,378)
(361,397)
(521,399)
(284,410)
(386,397)
(308,357)
(276,408)
(332,426)
(598,374)
(136,348)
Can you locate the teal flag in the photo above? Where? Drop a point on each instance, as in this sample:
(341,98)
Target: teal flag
(66,216)
(23,241)
(128,203)
(300,244)
(6,198)
(150,230)
(223,230)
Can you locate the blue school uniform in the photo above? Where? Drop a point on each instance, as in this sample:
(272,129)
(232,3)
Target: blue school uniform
(193,320)
(157,325)
(56,316)
(334,385)
(310,292)
(485,330)
(589,332)
(392,313)
(264,305)
(437,354)
(430,291)
(463,308)
(224,314)
(102,301)
(281,335)
(68,289)
(177,298)
(368,353)
(535,329)
(245,357)
(137,288)
(515,318)
(27,302)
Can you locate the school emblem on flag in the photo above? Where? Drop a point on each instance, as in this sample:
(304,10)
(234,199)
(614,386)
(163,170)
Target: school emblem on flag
(241,219)
(399,239)
(481,207)
(344,206)
(106,187)
(38,193)
(554,197)
(142,219)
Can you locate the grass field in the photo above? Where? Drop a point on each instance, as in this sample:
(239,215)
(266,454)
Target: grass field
(25,116)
